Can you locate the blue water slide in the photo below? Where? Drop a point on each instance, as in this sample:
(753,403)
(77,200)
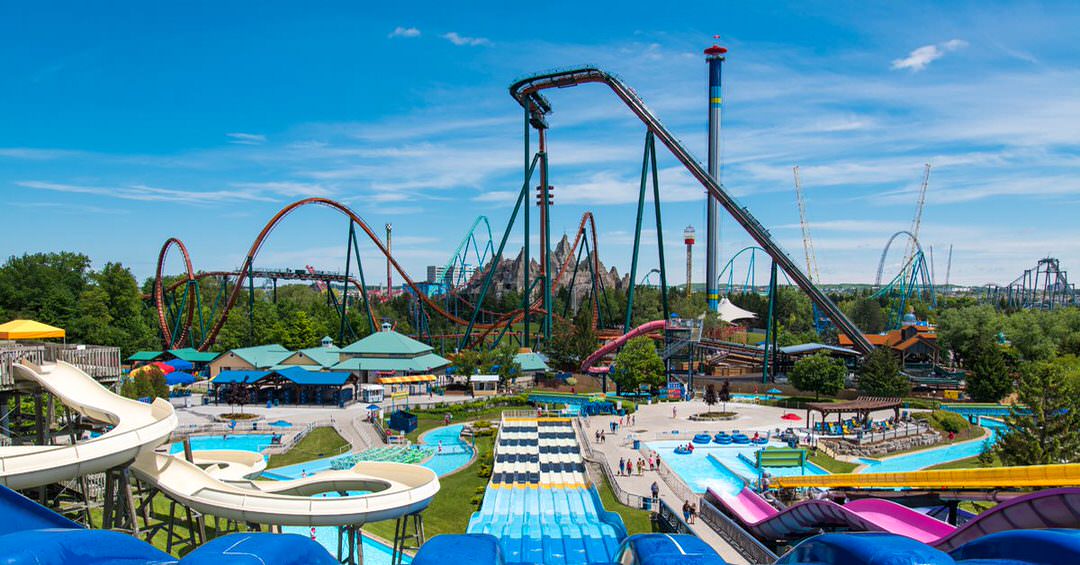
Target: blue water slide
(78,546)
(474,549)
(260,549)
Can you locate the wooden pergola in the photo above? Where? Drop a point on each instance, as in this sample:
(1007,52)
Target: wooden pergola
(861,407)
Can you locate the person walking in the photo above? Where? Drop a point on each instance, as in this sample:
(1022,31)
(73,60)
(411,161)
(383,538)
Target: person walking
(674,413)
(693,513)
(686,511)
(622,465)
(655,490)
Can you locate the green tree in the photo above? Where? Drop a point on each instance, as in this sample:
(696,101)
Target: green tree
(466,362)
(501,361)
(300,331)
(710,398)
(638,364)
(45,287)
(94,322)
(968,330)
(561,350)
(818,373)
(989,380)
(1042,429)
(868,315)
(1026,333)
(880,375)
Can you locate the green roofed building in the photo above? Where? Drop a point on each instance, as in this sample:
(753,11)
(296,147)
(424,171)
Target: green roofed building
(144,356)
(258,358)
(388,353)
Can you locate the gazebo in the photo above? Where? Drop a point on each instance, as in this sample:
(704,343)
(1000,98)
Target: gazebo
(29,329)
(861,407)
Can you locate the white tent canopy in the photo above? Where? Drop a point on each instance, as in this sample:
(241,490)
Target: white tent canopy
(730,312)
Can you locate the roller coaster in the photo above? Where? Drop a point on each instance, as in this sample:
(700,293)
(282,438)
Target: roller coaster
(185,311)
(1043,287)
(913,281)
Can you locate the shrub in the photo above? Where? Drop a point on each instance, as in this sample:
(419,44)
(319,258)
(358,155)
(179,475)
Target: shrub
(944,421)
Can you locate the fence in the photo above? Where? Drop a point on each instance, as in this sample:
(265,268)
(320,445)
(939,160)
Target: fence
(100,362)
(599,469)
(747,545)
(864,437)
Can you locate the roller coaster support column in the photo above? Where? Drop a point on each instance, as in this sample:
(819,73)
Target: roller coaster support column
(650,155)
(715,57)
(251,301)
(522,198)
(525,299)
(363,283)
(770,328)
(545,227)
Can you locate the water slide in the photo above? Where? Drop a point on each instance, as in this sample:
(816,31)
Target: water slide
(31,534)
(1031,476)
(1054,508)
(647,327)
(220,489)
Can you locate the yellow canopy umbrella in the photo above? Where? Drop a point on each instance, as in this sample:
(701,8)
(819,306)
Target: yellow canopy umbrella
(28,329)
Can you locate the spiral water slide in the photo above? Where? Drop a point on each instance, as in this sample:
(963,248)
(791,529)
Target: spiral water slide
(220,489)
(528,94)
(647,327)
(1054,508)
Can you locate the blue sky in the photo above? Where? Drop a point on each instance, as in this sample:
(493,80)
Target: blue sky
(122,124)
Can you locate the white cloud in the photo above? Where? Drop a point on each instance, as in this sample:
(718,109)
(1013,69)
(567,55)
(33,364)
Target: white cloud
(240,138)
(400,31)
(918,59)
(457,39)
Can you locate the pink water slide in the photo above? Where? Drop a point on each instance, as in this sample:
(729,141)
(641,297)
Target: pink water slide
(647,327)
(1051,508)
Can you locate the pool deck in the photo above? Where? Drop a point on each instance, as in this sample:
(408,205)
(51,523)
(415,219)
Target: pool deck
(655,423)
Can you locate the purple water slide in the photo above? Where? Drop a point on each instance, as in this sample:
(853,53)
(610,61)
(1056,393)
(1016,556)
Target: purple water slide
(1052,508)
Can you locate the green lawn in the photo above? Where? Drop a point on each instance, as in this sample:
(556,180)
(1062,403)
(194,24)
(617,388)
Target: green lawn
(451,508)
(637,521)
(968,463)
(831,465)
(321,442)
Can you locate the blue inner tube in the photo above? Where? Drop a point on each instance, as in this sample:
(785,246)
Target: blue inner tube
(740,439)
(682,451)
(702,438)
(759,440)
(723,440)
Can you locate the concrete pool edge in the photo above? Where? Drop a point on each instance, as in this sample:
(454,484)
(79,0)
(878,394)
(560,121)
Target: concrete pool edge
(986,433)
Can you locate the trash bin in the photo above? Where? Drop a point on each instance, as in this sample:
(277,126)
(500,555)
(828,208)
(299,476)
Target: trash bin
(646,504)
(637,444)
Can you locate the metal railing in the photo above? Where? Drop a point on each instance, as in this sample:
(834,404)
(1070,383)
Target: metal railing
(598,469)
(739,539)
(672,522)
(864,437)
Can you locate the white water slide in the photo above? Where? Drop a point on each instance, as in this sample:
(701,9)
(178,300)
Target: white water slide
(214,483)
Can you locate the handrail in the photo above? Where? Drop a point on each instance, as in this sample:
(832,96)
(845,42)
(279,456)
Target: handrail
(739,539)
(527,93)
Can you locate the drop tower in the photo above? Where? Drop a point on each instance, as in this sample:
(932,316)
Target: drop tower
(714,56)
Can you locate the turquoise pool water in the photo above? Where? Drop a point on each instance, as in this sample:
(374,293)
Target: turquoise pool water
(923,459)
(720,467)
(455,452)
(237,442)
(375,553)
(281,424)
(747,396)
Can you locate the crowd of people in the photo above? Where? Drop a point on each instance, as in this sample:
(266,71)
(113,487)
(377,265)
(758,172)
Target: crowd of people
(627,466)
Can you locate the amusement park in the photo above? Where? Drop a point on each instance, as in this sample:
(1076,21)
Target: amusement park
(475,385)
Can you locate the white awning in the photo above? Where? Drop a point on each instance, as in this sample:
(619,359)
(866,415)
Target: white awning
(484,379)
(730,312)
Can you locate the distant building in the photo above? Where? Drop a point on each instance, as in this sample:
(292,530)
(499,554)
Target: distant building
(455,275)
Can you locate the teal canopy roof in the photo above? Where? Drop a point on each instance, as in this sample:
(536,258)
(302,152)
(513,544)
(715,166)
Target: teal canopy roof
(387,343)
(418,364)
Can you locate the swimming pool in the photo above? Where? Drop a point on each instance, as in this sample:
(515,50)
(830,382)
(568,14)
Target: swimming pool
(754,397)
(237,442)
(930,457)
(720,467)
(281,424)
(455,452)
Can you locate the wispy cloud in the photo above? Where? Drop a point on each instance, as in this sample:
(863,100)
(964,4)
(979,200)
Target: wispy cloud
(401,31)
(152,194)
(918,59)
(240,138)
(461,40)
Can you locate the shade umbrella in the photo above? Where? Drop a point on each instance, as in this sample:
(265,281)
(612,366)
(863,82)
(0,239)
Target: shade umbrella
(774,391)
(179,378)
(790,416)
(180,365)
(373,407)
(165,367)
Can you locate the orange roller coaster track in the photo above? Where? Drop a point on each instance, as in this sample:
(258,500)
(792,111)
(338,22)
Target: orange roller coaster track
(246,269)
